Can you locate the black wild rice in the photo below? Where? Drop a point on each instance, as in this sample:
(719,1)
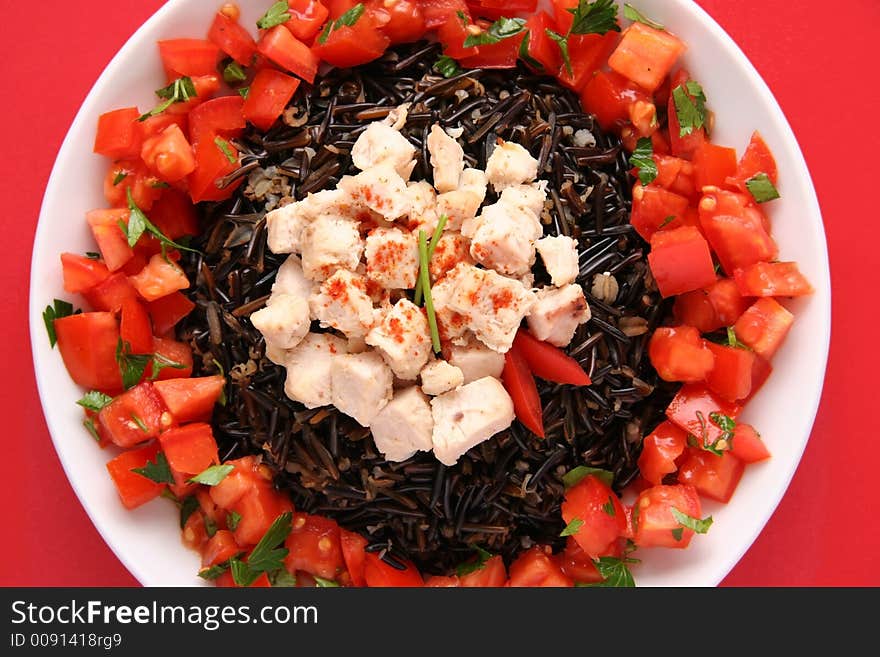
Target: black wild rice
(505,494)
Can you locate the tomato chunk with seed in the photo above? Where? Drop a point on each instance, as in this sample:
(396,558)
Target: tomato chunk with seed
(596,512)
(169,154)
(737,230)
(159,278)
(135,416)
(315,546)
(191,400)
(713,164)
(219,548)
(354,553)
(655,208)
(655,526)
(660,450)
(763,326)
(491,574)
(731,375)
(646,55)
(772,279)
(87,343)
(609,96)
(680,261)
(748,446)
(679,354)
(134,489)
(693,409)
(715,477)
(190,449)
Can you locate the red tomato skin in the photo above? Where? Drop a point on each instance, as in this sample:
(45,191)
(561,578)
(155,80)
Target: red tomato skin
(176,352)
(192,399)
(503,54)
(756,159)
(764,326)
(244,476)
(134,417)
(259,507)
(653,519)
(135,328)
(736,229)
(537,567)
(352,46)
(218,117)
(354,554)
(131,175)
(715,477)
(232,39)
(82,273)
(588,53)
(169,154)
(402,22)
(609,96)
(712,165)
(772,279)
(655,208)
(493,574)
(541,48)
(159,278)
(549,362)
(680,261)
(691,408)
(646,55)
(579,566)
(761,371)
(270,92)
(134,489)
(111,241)
(87,343)
(748,446)
(288,52)
(110,294)
(188,57)
(587,501)
(211,166)
(306,18)
(679,354)
(190,449)
(219,548)
(731,375)
(118,136)
(315,547)
(520,384)
(174,214)
(660,450)
(452,32)
(168,310)
(377,573)
(442,582)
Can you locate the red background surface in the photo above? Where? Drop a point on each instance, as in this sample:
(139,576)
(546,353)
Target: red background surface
(821,68)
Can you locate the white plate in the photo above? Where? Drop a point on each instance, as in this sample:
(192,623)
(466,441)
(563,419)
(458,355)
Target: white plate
(147,540)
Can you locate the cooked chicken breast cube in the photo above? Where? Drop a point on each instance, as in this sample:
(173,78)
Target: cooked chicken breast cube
(439,376)
(502,243)
(493,305)
(476,360)
(461,205)
(328,244)
(466,417)
(392,258)
(382,144)
(452,248)
(451,324)
(308,369)
(422,207)
(285,323)
(277,355)
(447,158)
(403,338)
(557,314)
(287,224)
(291,280)
(560,258)
(526,197)
(342,303)
(510,164)
(381,189)
(361,385)
(404,426)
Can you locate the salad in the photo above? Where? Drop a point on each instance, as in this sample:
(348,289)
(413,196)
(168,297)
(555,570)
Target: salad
(406,293)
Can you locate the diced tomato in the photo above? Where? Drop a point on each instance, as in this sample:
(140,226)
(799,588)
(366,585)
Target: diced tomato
(134,417)
(402,21)
(218,117)
(736,229)
(660,449)
(761,371)
(693,408)
(599,511)
(205,86)
(82,273)
(280,46)
(452,32)
(110,294)
(192,399)
(377,573)
(756,159)
(195,533)
(747,444)
(175,215)
(245,475)
(156,124)
(549,362)
(503,54)
(87,342)
(159,278)
(190,449)
(259,508)
(134,327)
(713,164)
(668,169)
(109,236)
(175,352)
(233,39)
(772,279)
(352,46)
(442,582)
(118,136)
(134,489)
(680,261)
(646,55)
(562,14)
(715,477)
(168,310)
(188,57)
(491,574)
(354,554)
(726,300)
(682,145)
(731,375)
(339,7)
(579,566)
(270,92)
(226,580)
(678,354)
(655,526)
(520,384)
(131,175)
(609,96)
(588,53)
(718,305)
(169,154)
(764,326)
(537,567)
(314,544)
(541,47)
(211,165)
(437,11)
(306,18)
(654,208)
(220,548)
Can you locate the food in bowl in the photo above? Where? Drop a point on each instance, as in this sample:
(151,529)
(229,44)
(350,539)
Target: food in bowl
(318,205)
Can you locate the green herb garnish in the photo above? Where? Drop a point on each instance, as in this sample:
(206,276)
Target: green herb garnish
(574,476)
(57,310)
(447,67)
(233,72)
(232,520)
(615,572)
(572,528)
(188,507)
(347,19)
(179,91)
(473,566)
(642,158)
(503,28)
(212,475)
(267,556)
(226,149)
(121,175)
(425,276)
(94,400)
(138,224)
(276,15)
(690,107)
(762,188)
(131,366)
(325,583)
(633,14)
(689,522)
(599,17)
(158,472)
(432,246)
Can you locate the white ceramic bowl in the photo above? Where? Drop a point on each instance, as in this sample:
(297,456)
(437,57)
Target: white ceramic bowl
(147,540)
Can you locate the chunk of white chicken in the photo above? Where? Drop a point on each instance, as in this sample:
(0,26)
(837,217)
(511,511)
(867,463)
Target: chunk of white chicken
(361,385)
(403,338)
(342,303)
(328,244)
(392,258)
(461,205)
(290,280)
(557,313)
(502,242)
(452,248)
(510,164)
(287,224)
(285,323)
(492,304)
(308,369)
(465,417)
(439,376)
(382,144)
(381,189)
(476,360)
(422,207)
(404,426)
(526,197)
(451,324)
(560,258)
(447,159)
